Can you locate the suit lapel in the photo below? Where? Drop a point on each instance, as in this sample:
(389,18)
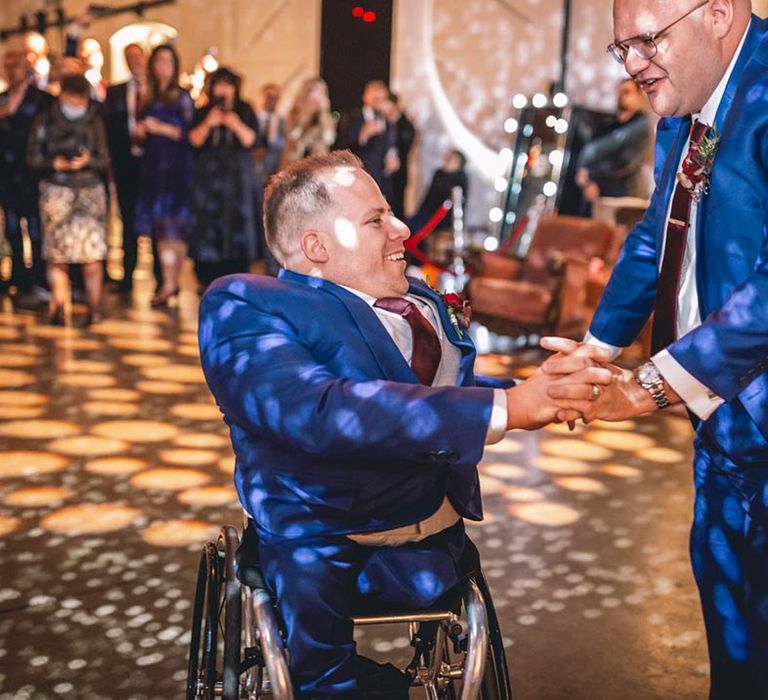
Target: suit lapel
(388,356)
(463,343)
(755,33)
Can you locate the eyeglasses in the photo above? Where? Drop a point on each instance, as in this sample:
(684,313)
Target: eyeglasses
(644,45)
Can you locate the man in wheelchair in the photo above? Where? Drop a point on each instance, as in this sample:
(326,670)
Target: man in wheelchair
(356,419)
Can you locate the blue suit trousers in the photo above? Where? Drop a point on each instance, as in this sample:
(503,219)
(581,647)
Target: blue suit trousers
(729,553)
(321,582)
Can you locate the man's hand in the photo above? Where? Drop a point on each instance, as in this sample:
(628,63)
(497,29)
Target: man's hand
(530,405)
(619,399)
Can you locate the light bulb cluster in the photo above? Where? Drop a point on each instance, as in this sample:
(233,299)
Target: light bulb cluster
(506,166)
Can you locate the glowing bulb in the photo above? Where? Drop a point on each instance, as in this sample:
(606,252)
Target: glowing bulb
(505,154)
(539,100)
(490,243)
(556,158)
(495,215)
(519,101)
(510,125)
(210,63)
(36,43)
(561,126)
(560,99)
(500,184)
(550,121)
(510,218)
(42,66)
(527,129)
(549,189)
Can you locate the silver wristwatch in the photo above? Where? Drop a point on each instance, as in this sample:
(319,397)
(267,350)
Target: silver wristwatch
(649,377)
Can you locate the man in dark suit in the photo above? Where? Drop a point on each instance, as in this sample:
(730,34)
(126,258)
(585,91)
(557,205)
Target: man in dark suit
(405,134)
(266,152)
(19,105)
(356,418)
(615,163)
(699,261)
(122,110)
(370,136)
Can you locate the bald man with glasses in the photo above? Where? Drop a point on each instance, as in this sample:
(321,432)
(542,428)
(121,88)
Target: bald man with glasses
(699,261)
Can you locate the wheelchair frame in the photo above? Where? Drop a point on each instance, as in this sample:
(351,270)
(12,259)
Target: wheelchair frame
(249,661)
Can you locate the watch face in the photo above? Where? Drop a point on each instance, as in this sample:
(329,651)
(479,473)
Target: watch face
(646,374)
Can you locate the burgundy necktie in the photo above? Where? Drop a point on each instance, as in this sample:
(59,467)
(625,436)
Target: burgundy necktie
(664,330)
(425,358)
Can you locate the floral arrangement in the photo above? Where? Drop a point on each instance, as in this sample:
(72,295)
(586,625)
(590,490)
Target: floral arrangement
(697,165)
(459,311)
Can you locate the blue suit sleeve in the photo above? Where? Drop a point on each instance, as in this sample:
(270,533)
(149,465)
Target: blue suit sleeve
(627,301)
(270,383)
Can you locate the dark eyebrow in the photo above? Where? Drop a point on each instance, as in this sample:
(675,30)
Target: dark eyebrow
(375,210)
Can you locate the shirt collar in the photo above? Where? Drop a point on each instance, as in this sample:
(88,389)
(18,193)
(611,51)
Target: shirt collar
(709,110)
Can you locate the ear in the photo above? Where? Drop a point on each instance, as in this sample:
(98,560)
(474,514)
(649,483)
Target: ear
(313,247)
(721,14)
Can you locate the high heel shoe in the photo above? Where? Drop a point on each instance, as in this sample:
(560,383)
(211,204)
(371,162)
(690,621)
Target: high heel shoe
(57,316)
(93,317)
(161,299)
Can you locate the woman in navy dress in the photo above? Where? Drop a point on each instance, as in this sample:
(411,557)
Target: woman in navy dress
(162,209)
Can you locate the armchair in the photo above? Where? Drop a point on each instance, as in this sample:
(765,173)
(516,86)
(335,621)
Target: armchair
(547,292)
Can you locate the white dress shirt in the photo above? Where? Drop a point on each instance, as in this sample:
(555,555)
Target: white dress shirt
(697,397)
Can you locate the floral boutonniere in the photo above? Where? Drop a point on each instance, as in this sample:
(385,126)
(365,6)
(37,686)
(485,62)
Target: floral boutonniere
(697,164)
(459,311)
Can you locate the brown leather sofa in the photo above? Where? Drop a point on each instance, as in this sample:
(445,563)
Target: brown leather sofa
(546,293)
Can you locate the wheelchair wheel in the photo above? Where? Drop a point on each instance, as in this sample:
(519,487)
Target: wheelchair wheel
(201,671)
(214,659)
(496,684)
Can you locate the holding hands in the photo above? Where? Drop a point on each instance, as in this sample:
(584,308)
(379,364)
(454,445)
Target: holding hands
(618,397)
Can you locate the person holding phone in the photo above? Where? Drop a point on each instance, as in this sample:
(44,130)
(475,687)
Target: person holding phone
(67,147)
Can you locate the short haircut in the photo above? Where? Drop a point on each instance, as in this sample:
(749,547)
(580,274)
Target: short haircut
(295,196)
(76,85)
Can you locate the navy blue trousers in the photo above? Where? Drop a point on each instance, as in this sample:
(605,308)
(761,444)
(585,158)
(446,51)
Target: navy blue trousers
(729,553)
(321,582)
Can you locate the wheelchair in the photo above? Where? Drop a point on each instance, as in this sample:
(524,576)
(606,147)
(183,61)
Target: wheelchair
(236,645)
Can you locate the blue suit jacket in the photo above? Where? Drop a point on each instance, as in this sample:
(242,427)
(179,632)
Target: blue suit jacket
(729,352)
(332,431)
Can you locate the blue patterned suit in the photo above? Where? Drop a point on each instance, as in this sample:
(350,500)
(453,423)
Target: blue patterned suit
(728,353)
(333,435)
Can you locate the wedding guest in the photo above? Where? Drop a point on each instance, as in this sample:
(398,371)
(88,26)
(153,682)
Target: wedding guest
(223,229)
(162,207)
(405,134)
(697,260)
(122,111)
(356,418)
(68,148)
(267,153)
(452,174)
(367,133)
(19,105)
(309,127)
(616,164)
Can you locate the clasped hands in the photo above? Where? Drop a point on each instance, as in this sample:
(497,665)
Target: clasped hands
(577,382)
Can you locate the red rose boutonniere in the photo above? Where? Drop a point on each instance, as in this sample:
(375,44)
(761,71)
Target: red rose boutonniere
(459,311)
(697,164)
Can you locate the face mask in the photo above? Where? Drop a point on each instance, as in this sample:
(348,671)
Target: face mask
(73,112)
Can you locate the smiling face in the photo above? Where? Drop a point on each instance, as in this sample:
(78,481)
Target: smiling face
(363,241)
(689,63)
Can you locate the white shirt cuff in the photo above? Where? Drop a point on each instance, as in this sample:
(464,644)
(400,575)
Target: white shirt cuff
(497,427)
(615,350)
(698,397)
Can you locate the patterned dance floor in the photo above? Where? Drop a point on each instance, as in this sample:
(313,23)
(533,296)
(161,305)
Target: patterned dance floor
(115,466)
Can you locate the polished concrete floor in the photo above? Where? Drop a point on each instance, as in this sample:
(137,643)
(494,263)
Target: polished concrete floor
(115,466)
